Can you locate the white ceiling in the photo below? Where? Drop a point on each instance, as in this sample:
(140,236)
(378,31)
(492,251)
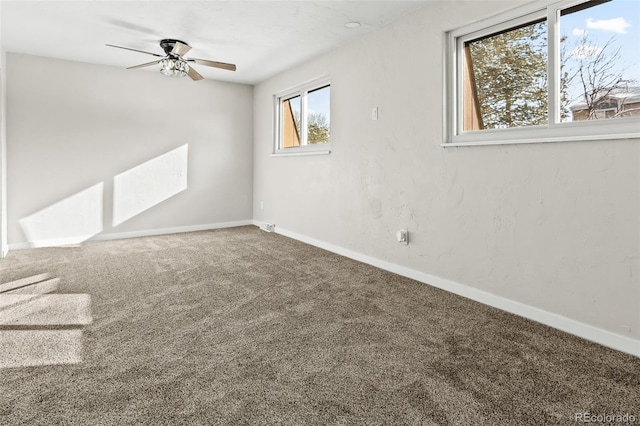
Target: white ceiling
(261,37)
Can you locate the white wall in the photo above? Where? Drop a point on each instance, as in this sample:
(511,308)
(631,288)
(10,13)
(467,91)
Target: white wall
(555,227)
(3,154)
(74,129)
(3,145)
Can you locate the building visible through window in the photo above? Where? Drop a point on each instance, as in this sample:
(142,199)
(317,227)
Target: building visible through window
(619,102)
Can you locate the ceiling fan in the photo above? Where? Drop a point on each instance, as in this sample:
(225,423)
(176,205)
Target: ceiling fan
(173,62)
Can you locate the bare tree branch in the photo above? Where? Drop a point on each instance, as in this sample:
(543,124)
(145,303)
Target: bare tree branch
(598,72)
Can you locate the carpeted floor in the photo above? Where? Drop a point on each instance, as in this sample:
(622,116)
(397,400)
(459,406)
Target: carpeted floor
(239,326)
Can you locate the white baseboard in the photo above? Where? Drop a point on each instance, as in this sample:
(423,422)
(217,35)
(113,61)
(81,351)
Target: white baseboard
(174,230)
(132,234)
(588,332)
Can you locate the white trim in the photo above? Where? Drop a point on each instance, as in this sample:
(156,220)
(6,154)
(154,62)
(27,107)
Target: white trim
(131,234)
(503,20)
(586,138)
(314,83)
(300,151)
(585,331)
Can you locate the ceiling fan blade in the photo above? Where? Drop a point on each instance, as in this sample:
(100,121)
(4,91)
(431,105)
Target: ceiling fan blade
(195,75)
(180,49)
(148,64)
(224,66)
(135,50)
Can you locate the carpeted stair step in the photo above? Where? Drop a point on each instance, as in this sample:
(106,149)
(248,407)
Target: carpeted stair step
(36,284)
(26,348)
(44,310)
(42,287)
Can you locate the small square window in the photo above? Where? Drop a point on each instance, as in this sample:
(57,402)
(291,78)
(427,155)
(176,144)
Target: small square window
(303,119)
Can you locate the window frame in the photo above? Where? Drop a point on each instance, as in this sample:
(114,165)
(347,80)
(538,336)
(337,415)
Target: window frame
(554,130)
(301,90)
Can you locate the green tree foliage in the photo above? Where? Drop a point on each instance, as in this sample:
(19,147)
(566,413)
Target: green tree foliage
(319,130)
(510,71)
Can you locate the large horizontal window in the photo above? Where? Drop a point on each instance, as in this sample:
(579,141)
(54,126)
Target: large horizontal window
(569,71)
(303,119)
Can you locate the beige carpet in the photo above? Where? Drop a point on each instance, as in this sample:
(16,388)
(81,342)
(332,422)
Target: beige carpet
(239,326)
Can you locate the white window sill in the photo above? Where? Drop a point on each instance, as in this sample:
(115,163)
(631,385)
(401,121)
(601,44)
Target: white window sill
(541,140)
(290,152)
(580,131)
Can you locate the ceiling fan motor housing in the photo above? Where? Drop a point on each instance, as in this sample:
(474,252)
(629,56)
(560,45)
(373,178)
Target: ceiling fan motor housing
(168,43)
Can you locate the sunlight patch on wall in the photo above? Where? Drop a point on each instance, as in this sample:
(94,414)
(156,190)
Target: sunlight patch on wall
(144,186)
(70,221)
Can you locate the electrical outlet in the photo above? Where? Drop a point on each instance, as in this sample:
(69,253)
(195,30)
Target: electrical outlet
(269,227)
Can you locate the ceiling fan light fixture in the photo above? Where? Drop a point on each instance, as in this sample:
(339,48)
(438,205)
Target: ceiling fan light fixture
(173,63)
(174,67)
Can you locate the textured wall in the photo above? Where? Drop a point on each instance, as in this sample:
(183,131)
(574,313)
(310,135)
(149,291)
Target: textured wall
(3,153)
(75,128)
(554,226)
